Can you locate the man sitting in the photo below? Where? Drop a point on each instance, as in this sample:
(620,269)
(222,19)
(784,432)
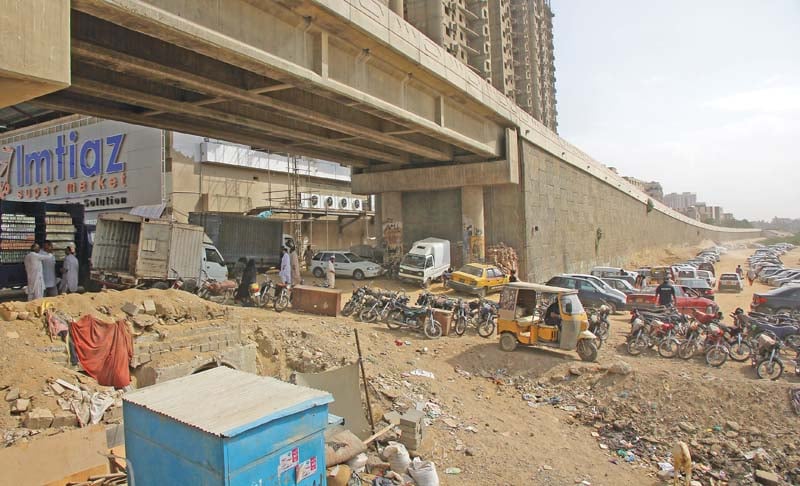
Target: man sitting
(553,315)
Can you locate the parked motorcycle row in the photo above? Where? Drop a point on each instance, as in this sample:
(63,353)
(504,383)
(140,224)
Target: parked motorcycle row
(393,309)
(755,337)
(258,295)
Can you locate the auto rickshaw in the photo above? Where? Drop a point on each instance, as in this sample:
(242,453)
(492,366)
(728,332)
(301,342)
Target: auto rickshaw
(533,314)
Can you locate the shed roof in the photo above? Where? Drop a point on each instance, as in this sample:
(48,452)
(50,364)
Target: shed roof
(226,402)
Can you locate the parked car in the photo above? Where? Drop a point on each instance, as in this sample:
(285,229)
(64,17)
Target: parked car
(729,282)
(784,277)
(686,300)
(589,293)
(708,277)
(347,264)
(699,285)
(780,300)
(599,283)
(476,278)
(613,272)
(620,284)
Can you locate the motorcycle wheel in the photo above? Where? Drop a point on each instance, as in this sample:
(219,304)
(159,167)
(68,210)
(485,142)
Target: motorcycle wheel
(281,302)
(587,349)
(461,326)
(685,350)
(740,351)
(347,309)
(772,370)
(432,329)
(227,296)
(203,293)
(603,331)
(394,318)
(369,315)
(635,345)
(668,348)
(716,356)
(486,328)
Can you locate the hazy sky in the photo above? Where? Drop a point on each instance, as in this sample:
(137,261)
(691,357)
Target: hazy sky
(701,95)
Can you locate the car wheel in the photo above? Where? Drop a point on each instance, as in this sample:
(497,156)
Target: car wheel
(318,272)
(358,275)
(508,342)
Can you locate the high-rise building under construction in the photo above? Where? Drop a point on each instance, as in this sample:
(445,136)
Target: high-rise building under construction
(509,43)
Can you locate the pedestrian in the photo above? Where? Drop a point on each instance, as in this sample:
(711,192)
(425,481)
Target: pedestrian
(69,272)
(665,293)
(513,277)
(751,275)
(295,262)
(739,271)
(34,271)
(249,277)
(308,256)
(331,272)
(639,280)
(286,267)
(49,270)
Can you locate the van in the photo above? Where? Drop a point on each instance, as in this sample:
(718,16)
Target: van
(427,260)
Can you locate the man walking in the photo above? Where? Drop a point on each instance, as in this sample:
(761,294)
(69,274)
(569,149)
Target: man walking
(69,272)
(49,270)
(751,275)
(286,267)
(665,293)
(331,272)
(295,262)
(739,272)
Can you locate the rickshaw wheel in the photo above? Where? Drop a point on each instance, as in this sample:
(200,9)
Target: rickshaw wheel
(508,342)
(587,350)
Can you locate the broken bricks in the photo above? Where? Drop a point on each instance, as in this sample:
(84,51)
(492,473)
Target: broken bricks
(38,418)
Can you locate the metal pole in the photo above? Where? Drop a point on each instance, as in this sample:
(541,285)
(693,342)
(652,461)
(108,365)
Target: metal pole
(364,379)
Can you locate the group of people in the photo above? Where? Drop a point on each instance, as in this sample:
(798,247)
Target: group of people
(751,274)
(40,268)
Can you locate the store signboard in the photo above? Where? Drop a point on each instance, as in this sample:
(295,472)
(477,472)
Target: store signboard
(105,166)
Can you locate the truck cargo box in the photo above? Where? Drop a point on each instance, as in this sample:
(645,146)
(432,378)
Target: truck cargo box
(239,236)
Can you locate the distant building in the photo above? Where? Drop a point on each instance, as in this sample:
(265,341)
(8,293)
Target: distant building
(653,189)
(727,218)
(680,201)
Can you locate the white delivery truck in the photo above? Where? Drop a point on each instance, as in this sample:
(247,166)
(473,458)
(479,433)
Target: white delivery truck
(427,260)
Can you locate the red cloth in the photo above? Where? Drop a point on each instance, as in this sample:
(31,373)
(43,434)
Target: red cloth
(104,350)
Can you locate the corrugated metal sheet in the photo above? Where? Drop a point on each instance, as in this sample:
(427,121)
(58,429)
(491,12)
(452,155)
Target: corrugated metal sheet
(186,248)
(226,402)
(112,243)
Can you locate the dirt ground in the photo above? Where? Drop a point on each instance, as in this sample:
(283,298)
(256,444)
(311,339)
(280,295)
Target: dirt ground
(533,416)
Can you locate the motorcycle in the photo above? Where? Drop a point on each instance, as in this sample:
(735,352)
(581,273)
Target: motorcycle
(598,323)
(767,359)
(485,318)
(283,295)
(371,309)
(415,318)
(210,289)
(355,302)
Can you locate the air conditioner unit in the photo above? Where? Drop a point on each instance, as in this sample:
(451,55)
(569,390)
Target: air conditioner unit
(315,201)
(357,204)
(344,203)
(305,200)
(329,202)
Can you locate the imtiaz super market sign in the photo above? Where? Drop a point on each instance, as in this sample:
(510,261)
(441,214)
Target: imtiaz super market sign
(69,167)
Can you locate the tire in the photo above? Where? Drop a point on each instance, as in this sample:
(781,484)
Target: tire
(318,272)
(227,296)
(792,341)
(740,351)
(203,293)
(432,329)
(603,331)
(486,328)
(348,308)
(763,369)
(369,315)
(281,302)
(613,308)
(160,286)
(508,342)
(686,350)
(460,327)
(716,356)
(668,348)
(636,345)
(395,315)
(190,285)
(358,275)
(587,350)
(482,292)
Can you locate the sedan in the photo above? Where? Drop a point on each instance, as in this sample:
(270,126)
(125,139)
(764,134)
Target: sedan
(729,282)
(781,300)
(620,284)
(476,278)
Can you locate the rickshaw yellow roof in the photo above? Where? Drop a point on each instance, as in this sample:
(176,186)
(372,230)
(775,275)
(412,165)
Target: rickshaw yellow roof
(546,289)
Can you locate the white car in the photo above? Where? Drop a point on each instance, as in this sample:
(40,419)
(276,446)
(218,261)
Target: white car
(347,264)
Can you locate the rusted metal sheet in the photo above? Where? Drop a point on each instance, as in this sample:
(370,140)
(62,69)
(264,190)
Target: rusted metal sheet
(317,300)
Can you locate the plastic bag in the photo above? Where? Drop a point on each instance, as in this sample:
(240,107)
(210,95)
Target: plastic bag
(398,457)
(358,463)
(423,472)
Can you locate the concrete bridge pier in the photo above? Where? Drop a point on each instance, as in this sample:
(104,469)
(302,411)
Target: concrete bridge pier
(472,223)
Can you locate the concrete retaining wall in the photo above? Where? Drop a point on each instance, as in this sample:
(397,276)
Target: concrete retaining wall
(567,209)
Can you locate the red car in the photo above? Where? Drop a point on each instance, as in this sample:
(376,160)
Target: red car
(686,299)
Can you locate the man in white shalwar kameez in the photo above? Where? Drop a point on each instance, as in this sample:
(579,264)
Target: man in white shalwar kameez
(33,269)
(69,277)
(286,267)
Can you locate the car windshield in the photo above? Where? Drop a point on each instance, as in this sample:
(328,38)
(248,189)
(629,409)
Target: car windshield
(472,270)
(353,257)
(576,307)
(414,261)
(728,276)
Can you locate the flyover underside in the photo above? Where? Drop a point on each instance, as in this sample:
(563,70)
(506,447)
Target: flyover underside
(289,89)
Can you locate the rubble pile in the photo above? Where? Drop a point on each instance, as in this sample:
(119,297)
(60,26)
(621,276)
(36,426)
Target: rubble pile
(734,432)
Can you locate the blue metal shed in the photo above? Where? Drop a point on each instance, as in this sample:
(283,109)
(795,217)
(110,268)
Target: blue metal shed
(226,427)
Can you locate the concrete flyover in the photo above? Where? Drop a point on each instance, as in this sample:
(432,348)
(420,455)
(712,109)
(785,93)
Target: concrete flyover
(351,81)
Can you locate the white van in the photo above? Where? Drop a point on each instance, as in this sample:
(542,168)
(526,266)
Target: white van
(427,260)
(212,262)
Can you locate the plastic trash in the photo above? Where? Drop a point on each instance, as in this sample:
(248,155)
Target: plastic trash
(423,472)
(397,455)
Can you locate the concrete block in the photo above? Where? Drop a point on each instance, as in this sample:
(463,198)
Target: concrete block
(20,405)
(12,394)
(392,418)
(130,308)
(38,418)
(149,307)
(63,418)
